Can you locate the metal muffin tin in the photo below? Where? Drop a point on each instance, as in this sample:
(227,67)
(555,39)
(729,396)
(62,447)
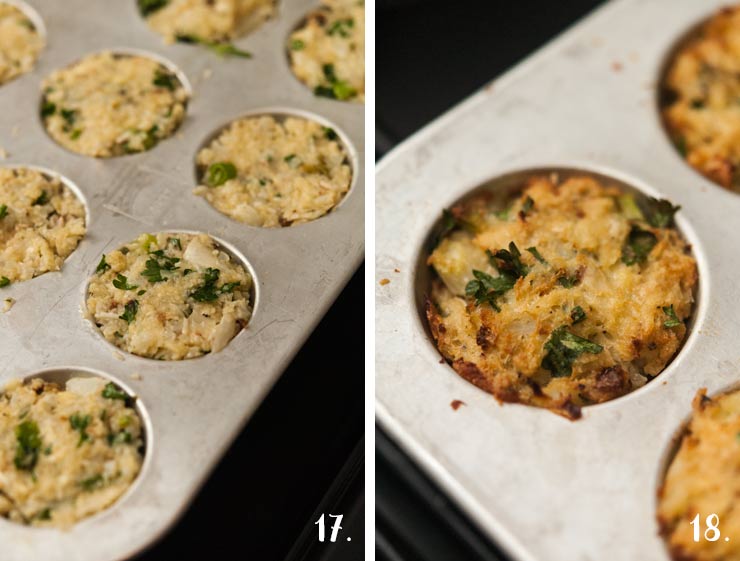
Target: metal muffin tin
(542,487)
(192,409)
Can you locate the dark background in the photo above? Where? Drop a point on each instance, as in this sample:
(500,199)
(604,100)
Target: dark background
(302,453)
(430,55)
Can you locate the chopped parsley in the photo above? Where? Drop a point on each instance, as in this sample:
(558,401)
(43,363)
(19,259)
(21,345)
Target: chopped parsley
(48,109)
(44,514)
(486,289)
(75,134)
(69,116)
(629,207)
(80,423)
(567,282)
(130,309)
(220,173)
(157,263)
(207,292)
(3,211)
(330,133)
(297,45)
(638,245)
(537,255)
(509,261)
(147,7)
(228,288)
(577,315)
(102,266)
(563,348)
(659,212)
(337,89)
(164,79)
(680,144)
(528,204)
(111,391)
(672,320)
(28,444)
(92,482)
(341,27)
(175,242)
(121,282)
(123,437)
(4,281)
(42,199)
(292,160)
(221,49)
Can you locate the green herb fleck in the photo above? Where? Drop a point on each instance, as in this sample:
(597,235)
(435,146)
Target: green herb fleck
(629,207)
(102,266)
(567,282)
(28,444)
(3,211)
(577,315)
(92,482)
(75,134)
(111,391)
(292,160)
(672,320)
(528,204)
(79,423)
(537,255)
(164,79)
(330,133)
(337,89)
(509,261)
(69,116)
(147,7)
(44,514)
(207,292)
(42,199)
(341,27)
(297,45)
(130,309)
(221,49)
(48,109)
(4,281)
(220,173)
(121,282)
(123,437)
(659,212)
(157,263)
(563,348)
(175,242)
(681,146)
(638,245)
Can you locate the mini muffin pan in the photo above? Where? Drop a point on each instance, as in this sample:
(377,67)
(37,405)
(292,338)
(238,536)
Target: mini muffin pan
(542,487)
(193,408)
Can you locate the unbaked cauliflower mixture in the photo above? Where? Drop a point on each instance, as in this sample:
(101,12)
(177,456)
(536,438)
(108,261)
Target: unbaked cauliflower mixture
(41,223)
(110,104)
(20,43)
(268,172)
(66,453)
(574,295)
(169,296)
(327,52)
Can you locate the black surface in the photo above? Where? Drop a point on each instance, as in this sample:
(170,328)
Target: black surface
(430,55)
(293,454)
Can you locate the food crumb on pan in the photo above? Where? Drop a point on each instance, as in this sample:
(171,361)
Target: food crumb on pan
(383,282)
(268,172)
(20,43)
(703,478)
(699,98)
(214,21)
(41,223)
(109,104)
(136,376)
(396,270)
(8,304)
(327,52)
(456,403)
(574,293)
(66,453)
(169,296)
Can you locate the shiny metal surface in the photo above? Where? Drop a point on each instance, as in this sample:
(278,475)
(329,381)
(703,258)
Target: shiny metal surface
(193,409)
(543,487)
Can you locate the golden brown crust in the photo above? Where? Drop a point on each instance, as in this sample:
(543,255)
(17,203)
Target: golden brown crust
(702,85)
(576,285)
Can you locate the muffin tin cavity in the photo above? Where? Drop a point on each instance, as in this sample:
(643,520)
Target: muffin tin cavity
(698,98)
(171,296)
(274,169)
(111,104)
(43,218)
(72,443)
(22,38)
(326,50)
(528,287)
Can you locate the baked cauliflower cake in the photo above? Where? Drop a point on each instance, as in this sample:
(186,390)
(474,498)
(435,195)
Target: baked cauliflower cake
(703,479)
(41,223)
(66,453)
(575,294)
(213,21)
(169,296)
(327,52)
(268,172)
(701,91)
(110,104)
(20,43)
